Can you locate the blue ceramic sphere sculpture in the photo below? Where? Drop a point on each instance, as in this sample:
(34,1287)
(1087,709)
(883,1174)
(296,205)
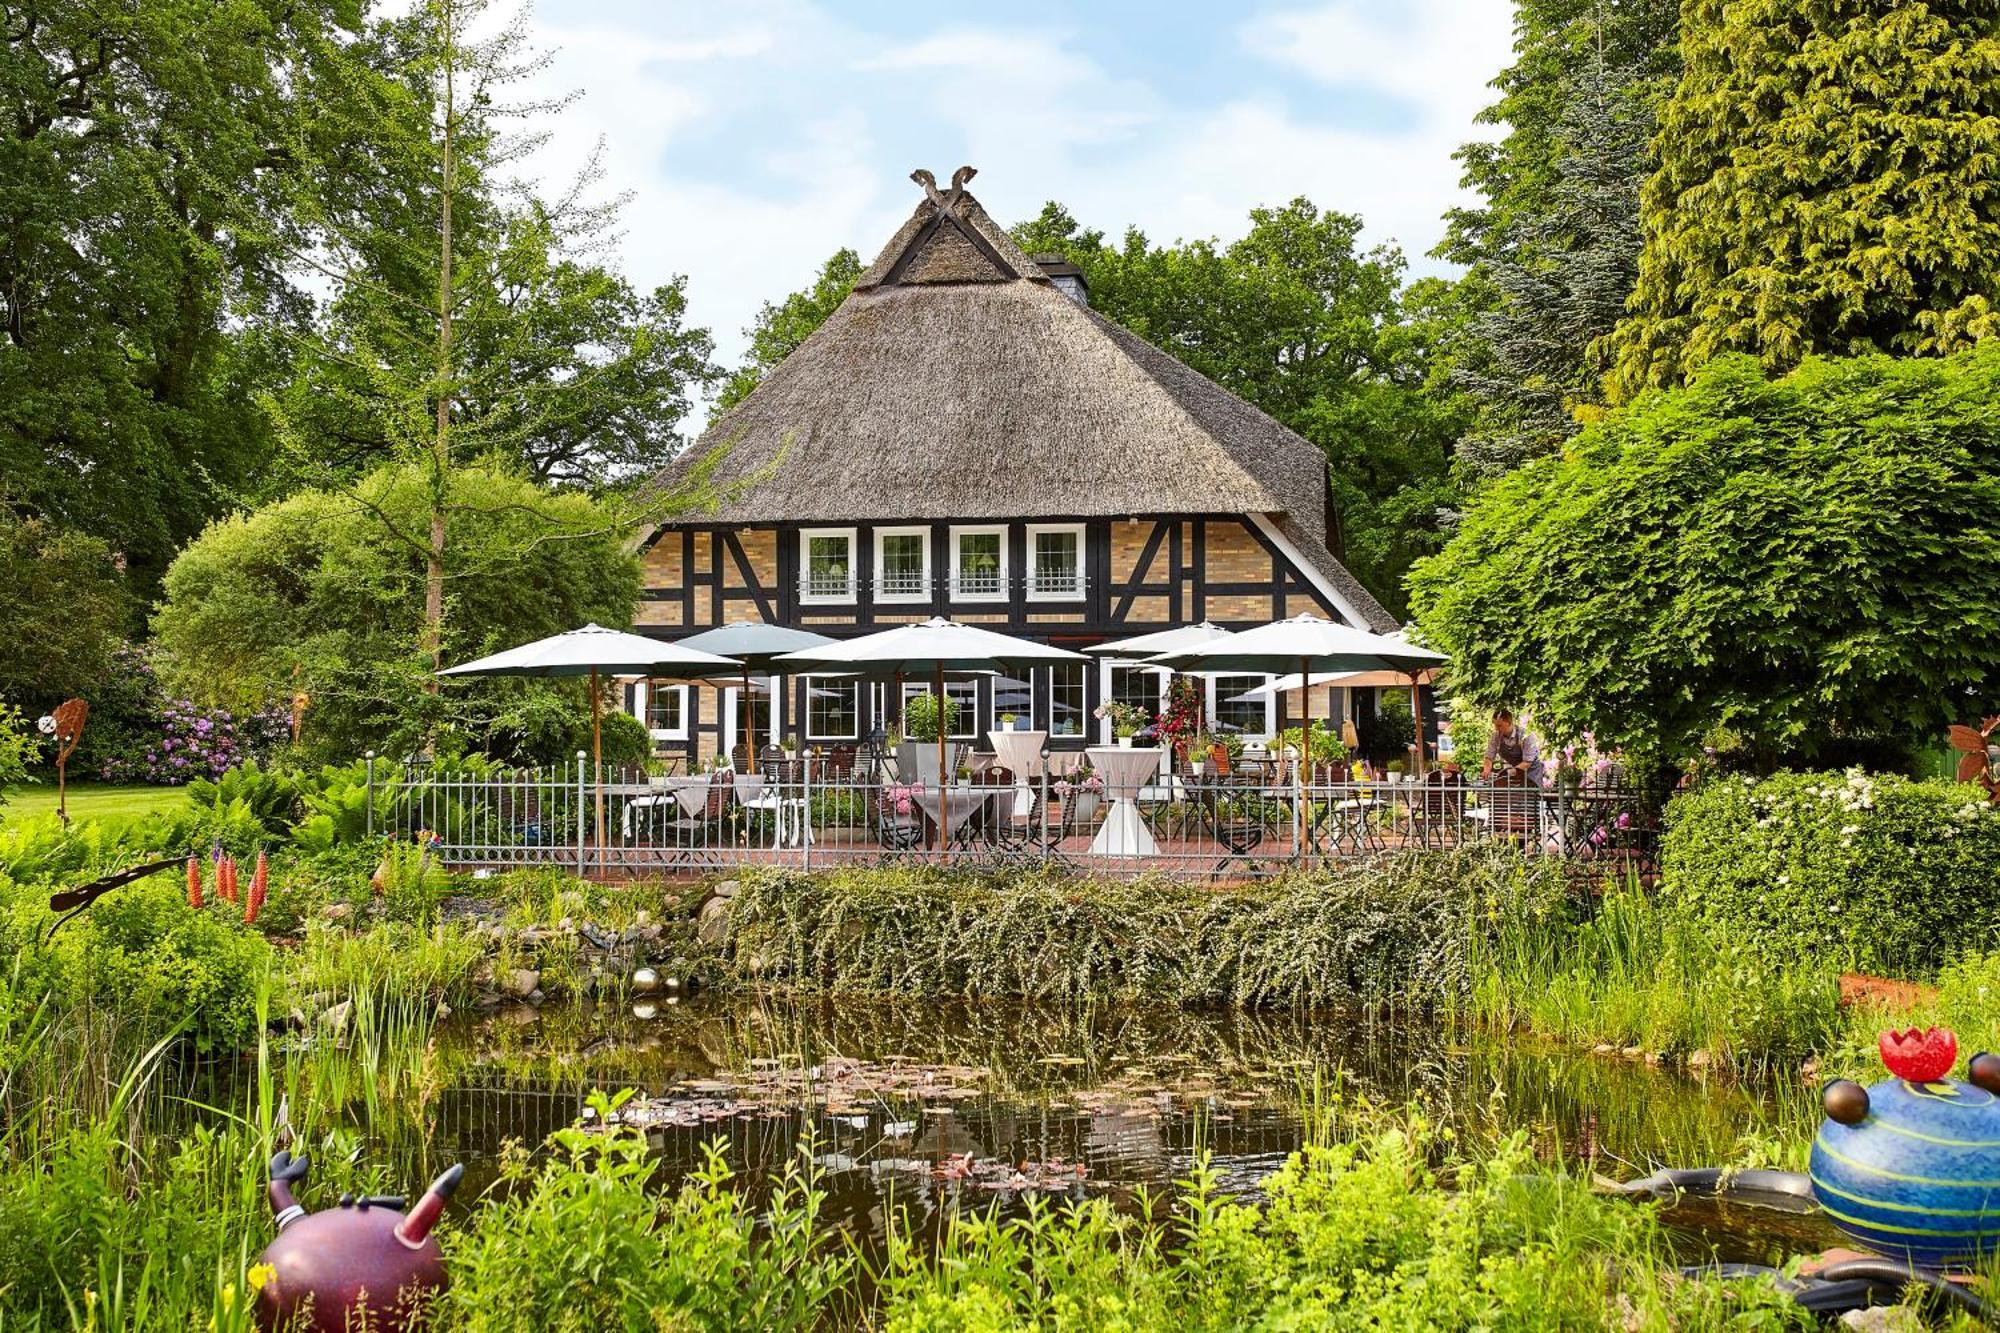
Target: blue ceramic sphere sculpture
(1910,1167)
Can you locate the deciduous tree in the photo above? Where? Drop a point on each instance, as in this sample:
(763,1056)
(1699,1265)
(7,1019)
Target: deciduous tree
(1809,562)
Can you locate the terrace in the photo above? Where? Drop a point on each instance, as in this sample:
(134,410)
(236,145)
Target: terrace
(1106,812)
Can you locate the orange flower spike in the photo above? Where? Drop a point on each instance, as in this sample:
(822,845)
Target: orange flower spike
(260,879)
(194,882)
(1918,1057)
(225,878)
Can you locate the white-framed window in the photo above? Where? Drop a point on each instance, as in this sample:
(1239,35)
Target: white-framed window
(965,693)
(1142,686)
(1014,692)
(902,564)
(826,565)
(1067,715)
(979,564)
(1249,718)
(833,708)
(1055,561)
(663,707)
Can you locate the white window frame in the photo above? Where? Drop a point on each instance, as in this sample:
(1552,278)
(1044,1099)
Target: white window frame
(836,682)
(1213,688)
(1106,670)
(1035,592)
(968,713)
(923,593)
(1048,681)
(978,530)
(643,710)
(807,597)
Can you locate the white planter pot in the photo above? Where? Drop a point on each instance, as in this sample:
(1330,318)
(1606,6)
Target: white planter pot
(1124,742)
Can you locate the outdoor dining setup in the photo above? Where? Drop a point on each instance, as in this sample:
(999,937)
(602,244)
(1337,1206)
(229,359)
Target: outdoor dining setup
(1152,790)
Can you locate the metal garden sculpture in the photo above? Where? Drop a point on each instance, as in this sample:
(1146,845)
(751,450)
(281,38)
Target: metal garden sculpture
(364,1264)
(66,726)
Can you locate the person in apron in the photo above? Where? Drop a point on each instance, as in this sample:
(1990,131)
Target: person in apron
(1518,757)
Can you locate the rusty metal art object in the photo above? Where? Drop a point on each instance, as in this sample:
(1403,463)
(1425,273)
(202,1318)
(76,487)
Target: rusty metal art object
(68,720)
(71,901)
(1979,756)
(363,1264)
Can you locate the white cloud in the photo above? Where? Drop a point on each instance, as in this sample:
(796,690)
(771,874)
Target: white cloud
(754,139)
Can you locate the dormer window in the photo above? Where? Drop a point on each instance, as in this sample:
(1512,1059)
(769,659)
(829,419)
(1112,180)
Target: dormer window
(1055,562)
(826,565)
(902,564)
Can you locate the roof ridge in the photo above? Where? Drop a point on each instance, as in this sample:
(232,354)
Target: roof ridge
(969,218)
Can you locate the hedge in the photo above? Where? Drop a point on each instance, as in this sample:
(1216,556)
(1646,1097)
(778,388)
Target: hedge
(1871,872)
(1404,932)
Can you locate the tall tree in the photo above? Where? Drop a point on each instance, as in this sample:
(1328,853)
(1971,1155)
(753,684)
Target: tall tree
(780,328)
(1826,184)
(1554,247)
(143,241)
(446,342)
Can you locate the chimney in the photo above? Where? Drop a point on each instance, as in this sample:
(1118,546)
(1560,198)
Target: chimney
(1067,277)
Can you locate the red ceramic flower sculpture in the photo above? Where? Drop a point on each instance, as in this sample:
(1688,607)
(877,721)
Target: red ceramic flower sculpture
(1920,1057)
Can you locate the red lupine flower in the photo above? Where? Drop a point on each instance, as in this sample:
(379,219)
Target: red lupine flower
(194,882)
(260,878)
(1919,1057)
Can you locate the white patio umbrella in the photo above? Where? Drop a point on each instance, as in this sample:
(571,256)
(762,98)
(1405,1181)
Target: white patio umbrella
(593,651)
(1305,643)
(753,643)
(1352,680)
(938,644)
(1161,641)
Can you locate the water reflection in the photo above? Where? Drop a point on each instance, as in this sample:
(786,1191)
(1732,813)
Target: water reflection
(932,1107)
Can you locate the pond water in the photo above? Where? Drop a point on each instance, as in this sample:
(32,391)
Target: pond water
(926,1108)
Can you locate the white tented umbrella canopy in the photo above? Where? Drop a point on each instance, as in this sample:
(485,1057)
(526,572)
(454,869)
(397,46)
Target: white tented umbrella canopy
(933,646)
(1352,680)
(1302,643)
(595,650)
(754,643)
(1162,641)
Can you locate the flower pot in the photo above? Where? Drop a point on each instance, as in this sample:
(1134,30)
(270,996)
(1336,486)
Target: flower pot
(1124,742)
(1086,806)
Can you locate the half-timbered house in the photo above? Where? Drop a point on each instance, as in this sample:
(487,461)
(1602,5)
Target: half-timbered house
(966,437)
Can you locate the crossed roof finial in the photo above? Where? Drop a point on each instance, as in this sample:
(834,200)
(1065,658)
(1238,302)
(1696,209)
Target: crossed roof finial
(945,202)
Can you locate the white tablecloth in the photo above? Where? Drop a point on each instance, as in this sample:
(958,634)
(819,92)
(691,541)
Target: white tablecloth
(1124,771)
(1020,753)
(960,804)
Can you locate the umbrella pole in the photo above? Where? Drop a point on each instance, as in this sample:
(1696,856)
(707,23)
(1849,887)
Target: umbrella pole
(944,782)
(1417,712)
(597,755)
(750,730)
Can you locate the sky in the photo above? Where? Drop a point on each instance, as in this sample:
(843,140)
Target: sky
(754,138)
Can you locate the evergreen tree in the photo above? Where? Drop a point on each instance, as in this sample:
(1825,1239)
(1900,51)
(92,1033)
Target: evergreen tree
(1826,184)
(1554,251)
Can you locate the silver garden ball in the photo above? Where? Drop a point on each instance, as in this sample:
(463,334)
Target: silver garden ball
(645,981)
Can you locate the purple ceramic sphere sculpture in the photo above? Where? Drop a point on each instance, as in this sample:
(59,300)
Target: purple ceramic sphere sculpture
(364,1264)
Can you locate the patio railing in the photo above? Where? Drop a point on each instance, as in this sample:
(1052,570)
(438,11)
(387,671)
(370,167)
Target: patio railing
(806,813)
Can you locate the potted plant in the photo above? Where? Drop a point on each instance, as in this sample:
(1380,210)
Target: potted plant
(1082,790)
(920,729)
(1127,720)
(1007,721)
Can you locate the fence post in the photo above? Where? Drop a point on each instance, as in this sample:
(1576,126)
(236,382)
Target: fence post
(582,816)
(805,812)
(1042,807)
(370,758)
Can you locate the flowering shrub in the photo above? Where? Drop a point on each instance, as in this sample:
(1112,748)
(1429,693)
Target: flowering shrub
(1863,870)
(191,742)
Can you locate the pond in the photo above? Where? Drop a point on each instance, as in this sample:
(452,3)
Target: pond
(923,1109)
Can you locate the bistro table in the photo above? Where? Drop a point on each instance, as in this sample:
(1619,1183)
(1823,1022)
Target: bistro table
(690,793)
(1020,753)
(960,804)
(1124,771)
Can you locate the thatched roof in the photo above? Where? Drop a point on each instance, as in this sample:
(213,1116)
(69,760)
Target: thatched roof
(958,381)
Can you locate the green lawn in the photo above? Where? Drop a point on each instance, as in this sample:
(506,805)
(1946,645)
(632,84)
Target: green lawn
(90,800)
